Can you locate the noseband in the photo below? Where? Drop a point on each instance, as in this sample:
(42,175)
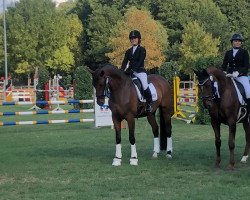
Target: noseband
(106,92)
(207,97)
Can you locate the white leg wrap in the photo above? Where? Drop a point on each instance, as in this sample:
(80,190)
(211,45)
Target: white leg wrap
(118,155)
(117,162)
(169,147)
(169,144)
(118,151)
(133,151)
(156,145)
(133,160)
(244,159)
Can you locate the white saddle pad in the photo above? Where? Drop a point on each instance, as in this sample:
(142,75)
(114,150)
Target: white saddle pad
(152,90)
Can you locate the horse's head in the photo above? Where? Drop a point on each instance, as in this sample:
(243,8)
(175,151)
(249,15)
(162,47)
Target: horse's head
(99,81)
(206,85)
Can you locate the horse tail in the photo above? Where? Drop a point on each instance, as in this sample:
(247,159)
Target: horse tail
(163,129)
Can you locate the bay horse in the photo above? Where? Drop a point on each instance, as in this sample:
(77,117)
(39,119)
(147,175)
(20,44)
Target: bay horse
(223,109)
(124,104)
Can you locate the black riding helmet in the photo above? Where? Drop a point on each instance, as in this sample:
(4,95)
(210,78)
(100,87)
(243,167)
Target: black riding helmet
(236,36)
(134,34)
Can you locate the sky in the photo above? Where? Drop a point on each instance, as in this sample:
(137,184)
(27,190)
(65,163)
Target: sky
(11,2)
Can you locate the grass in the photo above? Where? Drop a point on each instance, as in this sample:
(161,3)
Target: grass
(73,161)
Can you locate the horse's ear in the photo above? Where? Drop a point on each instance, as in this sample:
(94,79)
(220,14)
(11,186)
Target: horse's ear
(200,72)
(102,73)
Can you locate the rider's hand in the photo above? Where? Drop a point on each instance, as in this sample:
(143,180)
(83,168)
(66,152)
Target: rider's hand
(229,75)
(235,74)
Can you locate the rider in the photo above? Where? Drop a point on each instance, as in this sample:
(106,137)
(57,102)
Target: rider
(134,61)
(236,64)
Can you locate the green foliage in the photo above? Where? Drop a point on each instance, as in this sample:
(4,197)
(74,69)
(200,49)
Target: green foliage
(238,15)
(67,81)
(196,44)
(43,78)
(83,88)
(62,60)
(176,14)
(205,62)
(98,29)
(202,117)
(37,33)
(169,70)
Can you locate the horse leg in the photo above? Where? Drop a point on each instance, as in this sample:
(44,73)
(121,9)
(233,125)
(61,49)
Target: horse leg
(216,127)
(231,144)
(155,130)
(166,131)
(118,148)
(246,126)
(131,127)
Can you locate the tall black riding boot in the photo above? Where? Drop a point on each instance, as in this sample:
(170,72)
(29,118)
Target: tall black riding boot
(149,101)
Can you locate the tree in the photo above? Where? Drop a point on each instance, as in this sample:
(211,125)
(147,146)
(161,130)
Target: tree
(62,60)
(176,14)
(75,37)
(237,12)
(98,29)
(201,46)
(1,49)
(154,38)
(35,31)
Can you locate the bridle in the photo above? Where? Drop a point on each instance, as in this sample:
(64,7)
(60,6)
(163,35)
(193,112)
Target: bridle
(207,97)
(106,91)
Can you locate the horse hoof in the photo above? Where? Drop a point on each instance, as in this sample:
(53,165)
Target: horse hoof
(230,168)
(155,155)
(168,155)
(133,161)
(244,159)
(117,162)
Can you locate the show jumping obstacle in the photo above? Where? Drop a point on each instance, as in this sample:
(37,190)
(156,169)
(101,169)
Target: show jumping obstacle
(46,112)
(185,94)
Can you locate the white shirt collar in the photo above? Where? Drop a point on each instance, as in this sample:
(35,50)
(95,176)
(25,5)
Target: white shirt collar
(134,48)
(235,51)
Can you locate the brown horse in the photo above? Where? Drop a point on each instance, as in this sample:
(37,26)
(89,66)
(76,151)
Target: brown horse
(124,104)
(224,110)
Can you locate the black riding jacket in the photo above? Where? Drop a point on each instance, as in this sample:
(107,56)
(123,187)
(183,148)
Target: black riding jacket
(238,63)
(136,60)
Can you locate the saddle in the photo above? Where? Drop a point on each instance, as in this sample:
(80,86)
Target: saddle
(140,91)
(239,89)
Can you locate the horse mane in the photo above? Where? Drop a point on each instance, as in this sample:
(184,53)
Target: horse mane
(112,70)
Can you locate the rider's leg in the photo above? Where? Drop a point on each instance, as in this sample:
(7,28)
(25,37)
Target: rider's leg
(147,93)
(245,82)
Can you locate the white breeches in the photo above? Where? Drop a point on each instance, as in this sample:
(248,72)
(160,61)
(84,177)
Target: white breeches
(143,78)
(245,82)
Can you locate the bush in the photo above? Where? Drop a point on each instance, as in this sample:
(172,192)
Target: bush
(169,70)
(83,88)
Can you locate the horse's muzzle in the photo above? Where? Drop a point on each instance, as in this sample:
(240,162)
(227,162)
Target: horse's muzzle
(100,101)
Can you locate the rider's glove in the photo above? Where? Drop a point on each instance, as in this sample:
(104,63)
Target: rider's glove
(229,75)
(235,74)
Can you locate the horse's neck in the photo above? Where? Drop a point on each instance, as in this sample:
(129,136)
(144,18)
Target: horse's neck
(119,83)
(225,86)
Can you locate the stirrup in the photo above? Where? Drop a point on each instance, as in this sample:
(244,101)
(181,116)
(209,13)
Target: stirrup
(149,107)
